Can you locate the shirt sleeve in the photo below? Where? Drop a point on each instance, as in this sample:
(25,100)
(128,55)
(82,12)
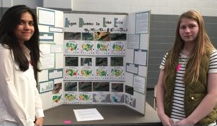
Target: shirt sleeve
(38,105)
(162,65)
(8,91)
(213,62)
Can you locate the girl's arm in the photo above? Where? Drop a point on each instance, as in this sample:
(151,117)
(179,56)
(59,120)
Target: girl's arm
(160,103)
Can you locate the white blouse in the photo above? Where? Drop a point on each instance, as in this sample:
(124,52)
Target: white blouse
(20,101)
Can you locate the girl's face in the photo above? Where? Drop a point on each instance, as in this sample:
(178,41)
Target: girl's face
(188,30)
(25,28)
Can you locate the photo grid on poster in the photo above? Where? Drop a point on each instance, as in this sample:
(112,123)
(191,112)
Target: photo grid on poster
(96,70)
(94,57)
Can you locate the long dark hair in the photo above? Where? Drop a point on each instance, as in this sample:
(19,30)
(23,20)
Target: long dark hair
(8,23)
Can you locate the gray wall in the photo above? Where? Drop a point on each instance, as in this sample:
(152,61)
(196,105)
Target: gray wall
(162,35)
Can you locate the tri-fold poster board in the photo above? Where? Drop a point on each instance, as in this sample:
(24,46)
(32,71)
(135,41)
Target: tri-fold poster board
(93,58)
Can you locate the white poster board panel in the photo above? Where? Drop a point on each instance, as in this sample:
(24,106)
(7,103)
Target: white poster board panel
(43,28)
(137,54)
(140,102)
(129,55)
(111,23)
(59,19)
(46,100)
(142,71)
(136,102)
(131,23)
(51,46)
(43,76)
(129,77)
(45,49)
(56,48)
(59,60)
(58,38)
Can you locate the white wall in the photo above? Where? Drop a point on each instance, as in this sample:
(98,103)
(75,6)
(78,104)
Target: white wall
(169,7)
(6,3)
(30,3)
(66,4)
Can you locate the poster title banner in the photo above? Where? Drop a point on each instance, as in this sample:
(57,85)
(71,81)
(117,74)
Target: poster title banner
(94,23)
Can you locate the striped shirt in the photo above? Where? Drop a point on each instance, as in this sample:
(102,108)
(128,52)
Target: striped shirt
(178,112)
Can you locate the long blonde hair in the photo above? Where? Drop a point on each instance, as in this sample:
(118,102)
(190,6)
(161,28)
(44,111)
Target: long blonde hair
(202,44)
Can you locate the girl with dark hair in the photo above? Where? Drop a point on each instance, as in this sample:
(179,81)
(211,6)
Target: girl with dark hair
(20,102)
(187,88)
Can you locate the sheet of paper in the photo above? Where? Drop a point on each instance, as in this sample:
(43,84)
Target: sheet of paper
(132,68)
(133,41)
(47,61)
(87,114)
(140,57)
(139,84)
(142,22)
(47,17)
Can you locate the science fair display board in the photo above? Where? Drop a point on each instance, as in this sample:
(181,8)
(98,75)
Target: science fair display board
(94,58)
(51,36)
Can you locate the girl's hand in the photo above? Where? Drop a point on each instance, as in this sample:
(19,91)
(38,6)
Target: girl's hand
(184,122)
(166,121)
(39,121)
